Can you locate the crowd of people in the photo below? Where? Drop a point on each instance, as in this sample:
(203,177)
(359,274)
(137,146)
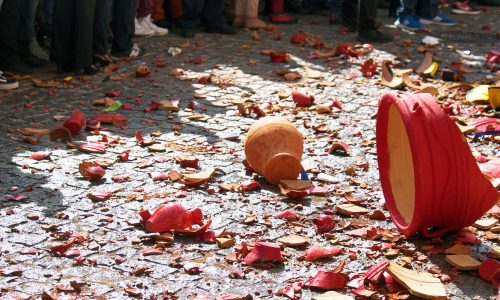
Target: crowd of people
(80,36)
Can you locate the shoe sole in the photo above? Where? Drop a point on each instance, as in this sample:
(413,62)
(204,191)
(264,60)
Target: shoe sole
(464,12)
(9,86)
(399,25)
(437,23)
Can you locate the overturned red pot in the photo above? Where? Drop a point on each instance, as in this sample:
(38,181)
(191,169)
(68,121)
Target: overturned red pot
(428,174)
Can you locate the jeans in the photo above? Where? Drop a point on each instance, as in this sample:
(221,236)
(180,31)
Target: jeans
(335,6)
(48,12)
(421,8)
(29,18)
(212,12)
(123,12)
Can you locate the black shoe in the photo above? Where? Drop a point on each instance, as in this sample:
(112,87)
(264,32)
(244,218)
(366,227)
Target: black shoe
(374,36)
(223,29)
(188,33)
(34,62)
(87,71)
(164,23)
(103,60)
(7,83)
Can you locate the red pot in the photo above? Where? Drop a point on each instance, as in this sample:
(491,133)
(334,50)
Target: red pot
(428,174)
(75,122)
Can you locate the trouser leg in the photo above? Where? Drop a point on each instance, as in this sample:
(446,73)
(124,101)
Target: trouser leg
(406,8)
(82,40)
(213,13)
(102,19)
(367,14)
(191,14)
(10,27)
(123,26)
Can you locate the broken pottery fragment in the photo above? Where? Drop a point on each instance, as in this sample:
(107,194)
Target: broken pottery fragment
(328,280)
(419,284)
(264,252)
(173,216)
(75,122)
(428,174)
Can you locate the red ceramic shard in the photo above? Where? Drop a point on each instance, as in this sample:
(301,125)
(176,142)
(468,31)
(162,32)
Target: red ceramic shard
(75,122)
(328,280)
(92,148)
(100,195)
(59,134)
(144,214)
(173,216)
(158,176)
(27,251)
(113,93)
(485,124)
(142,71)
(124,156)
(302,99)
(299,38)
(249,185)
(489,270)
(340,146)
(428,174)
(91,171)
(287,214)
(491,168)
(115,119)
(39,155)
(368,68)
(278,56)
(151,251)
(60,249)
(346,49)
(264,252)
(71,253)
(324,223)
(376,271)
(195,231)
(315,253)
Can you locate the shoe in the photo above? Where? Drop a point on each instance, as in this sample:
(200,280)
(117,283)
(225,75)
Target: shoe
(188,33)
(223,29)
(141,30)
(103,60)
(464,8)
(410,22)
(134,53)
(34,62)
(283,18)
(91,70)
(7,83)
(37,50)
(158,31)
(374,36)
(252,16)
(444,3)
(439,19)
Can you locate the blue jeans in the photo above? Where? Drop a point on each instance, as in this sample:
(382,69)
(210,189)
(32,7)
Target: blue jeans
(421,8)
(29,17)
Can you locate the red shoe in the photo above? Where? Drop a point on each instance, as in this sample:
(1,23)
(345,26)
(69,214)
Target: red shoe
(283,18)
(463,8)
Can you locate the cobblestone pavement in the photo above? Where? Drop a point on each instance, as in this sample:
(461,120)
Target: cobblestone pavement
(110,263)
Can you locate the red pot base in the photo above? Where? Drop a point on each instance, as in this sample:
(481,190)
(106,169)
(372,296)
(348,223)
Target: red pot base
(428,174)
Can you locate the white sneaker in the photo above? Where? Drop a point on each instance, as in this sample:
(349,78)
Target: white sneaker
(141,30)
(158,31)
(7,83)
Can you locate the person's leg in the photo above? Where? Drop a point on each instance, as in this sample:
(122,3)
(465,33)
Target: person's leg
(407,8)
(334,7)
(278,14)
(82,40)
(213,17)
(102,17)
(48,12)
(406,15)
(144,20)
(240,7)
(252,15)
(10,20)
(191,17)
(423,9)
(123,26)
(431,15)
(29,23)
(368,31)
(61,49)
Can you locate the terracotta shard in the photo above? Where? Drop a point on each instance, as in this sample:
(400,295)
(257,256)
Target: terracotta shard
(463,262)
(293,240)
(485,224)
(197,179)
(173,216)
(350,209)
(490,270)
(419,284)
(388,78)
(332,295)
(92,148)
(264,252)
(328,280)
(459,249)
(315,253)
(60,134)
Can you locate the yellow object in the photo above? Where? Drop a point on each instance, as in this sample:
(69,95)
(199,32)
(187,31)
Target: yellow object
(494,95)
(479,93)
(432,69)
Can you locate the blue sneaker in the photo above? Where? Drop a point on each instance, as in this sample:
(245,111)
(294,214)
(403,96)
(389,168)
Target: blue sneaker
(410,22)
(439,19)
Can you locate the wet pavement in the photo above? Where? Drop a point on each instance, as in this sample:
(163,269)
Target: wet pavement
(109,263)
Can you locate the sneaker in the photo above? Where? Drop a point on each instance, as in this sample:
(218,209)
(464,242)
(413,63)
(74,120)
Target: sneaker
(141,30)
(463,8)
(37,50)
(283,18)
(410,22)
(135,52)
(439,19)
(374,36)
(7,83)
(158,31)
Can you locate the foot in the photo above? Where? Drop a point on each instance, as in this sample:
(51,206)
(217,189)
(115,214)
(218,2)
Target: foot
(238,21)
(34,62)
(38,51)
(439,19)
(410,22)
(103,60)
(223,29)
(188,33)
(464,8)
(7,83)
(158,31)
(283,18)
(135,52)
(141,30)
(255,23)
(374,36)
(91,70)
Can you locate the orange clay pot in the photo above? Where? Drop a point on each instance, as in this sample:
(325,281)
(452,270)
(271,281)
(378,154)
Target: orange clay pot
(273,148)
(428,174)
